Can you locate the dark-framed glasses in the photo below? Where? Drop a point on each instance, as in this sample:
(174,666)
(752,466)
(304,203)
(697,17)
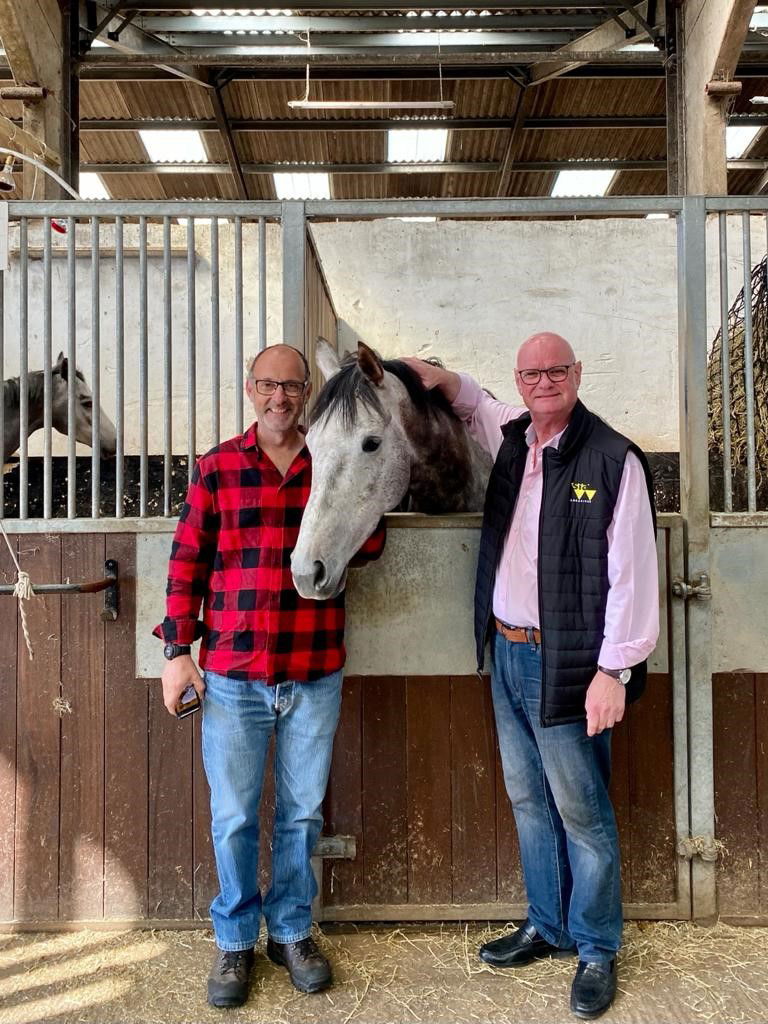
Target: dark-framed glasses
(292,388)
(556,374)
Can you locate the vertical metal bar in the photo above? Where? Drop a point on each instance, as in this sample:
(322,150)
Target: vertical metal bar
(725,363)
(215,334)
(71,366)
(294,233)
(47,375)
(694,505)
(675,567)
(262,283)
(119,369)
(23,368)
(191,350)
(749,384)
(167,368)
(95,370)
(143,371)
(2,381)
(238,325)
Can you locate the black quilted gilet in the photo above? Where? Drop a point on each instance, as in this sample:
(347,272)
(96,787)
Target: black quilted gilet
(580,489)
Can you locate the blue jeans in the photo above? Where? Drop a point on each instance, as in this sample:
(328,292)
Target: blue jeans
(557,779)
(238,722)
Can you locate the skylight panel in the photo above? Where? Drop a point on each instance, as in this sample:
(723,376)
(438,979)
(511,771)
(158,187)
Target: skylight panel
(759,17)
(738,139)
(416,144)
(310,185)
(583,183)
(173,146)
(91,186)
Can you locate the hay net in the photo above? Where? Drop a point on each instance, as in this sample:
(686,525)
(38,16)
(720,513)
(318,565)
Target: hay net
(738,411)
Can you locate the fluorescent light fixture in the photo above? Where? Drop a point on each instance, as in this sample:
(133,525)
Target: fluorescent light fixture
(173,147)
(312,185)
(657,216)
(583,183)
(416,144)
(738,139)
(760,101)
(91,186)
(371,104)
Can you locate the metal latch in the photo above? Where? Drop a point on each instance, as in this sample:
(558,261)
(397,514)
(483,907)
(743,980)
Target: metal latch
(698,587)
(109,584)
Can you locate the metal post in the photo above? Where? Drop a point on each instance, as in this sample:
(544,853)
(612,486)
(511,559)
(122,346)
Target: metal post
(294,273)
(694,505)
(725,363)
(262,283)
(143,370)
(119,368)
(238,325)
(95,370)
(167,368)
(215,333)
(47,375)
(191,350)
(23,368)
(71,366)
(749,382)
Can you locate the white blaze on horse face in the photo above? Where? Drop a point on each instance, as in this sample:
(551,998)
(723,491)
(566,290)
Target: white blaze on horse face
(357,476)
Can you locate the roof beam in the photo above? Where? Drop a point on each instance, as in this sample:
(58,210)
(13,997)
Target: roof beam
(127,39)
(364,5)
(330,42)
(296,124)
(241,187)
(608,37)
(281,23)
(432,167)
(363,57)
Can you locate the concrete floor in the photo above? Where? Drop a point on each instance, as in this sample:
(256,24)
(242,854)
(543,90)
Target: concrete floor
(668,973)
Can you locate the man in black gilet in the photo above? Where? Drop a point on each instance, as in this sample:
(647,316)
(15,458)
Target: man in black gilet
(567,594)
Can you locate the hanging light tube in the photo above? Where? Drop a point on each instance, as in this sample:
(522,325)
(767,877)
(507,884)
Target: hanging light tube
(306,104)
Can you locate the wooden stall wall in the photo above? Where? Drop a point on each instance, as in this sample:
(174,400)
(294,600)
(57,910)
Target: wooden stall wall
(104,805)
(740,706)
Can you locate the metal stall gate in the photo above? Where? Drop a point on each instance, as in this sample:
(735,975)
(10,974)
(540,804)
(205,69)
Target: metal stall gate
(422,836)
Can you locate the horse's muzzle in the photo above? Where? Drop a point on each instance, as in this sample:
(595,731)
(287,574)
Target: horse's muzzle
(317,585)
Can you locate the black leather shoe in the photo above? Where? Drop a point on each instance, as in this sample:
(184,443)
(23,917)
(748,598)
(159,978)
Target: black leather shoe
(593,989)
(308,968)
(228,980)
(520,948)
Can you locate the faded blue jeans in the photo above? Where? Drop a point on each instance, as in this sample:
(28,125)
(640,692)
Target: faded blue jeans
(238,722)
(557,779)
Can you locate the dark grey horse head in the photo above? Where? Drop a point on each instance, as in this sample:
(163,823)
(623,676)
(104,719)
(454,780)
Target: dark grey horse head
(83,408)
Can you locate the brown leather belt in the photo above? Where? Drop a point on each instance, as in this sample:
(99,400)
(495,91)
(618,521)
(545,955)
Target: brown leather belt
(518,634)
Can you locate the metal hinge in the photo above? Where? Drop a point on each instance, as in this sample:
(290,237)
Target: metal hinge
(699,587)
(706,847)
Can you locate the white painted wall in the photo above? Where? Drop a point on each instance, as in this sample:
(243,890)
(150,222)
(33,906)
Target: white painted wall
(470,292)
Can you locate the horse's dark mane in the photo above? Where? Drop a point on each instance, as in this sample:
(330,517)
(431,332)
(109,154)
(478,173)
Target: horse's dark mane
(12,387)
(350,385)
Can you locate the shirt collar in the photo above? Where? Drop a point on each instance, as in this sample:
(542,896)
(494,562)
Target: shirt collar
(249,438)
(553,442)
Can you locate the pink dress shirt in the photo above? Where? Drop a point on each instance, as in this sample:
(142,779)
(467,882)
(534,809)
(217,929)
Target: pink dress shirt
(632,610)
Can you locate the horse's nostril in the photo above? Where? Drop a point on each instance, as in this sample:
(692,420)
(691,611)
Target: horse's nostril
(319,577)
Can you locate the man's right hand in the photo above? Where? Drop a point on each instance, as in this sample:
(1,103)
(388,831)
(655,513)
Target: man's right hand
(434,376)
(177,676)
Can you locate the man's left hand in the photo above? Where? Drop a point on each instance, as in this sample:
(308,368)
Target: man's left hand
(605,703)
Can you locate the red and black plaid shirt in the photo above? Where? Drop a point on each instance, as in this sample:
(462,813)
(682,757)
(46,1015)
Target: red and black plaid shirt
(231,552)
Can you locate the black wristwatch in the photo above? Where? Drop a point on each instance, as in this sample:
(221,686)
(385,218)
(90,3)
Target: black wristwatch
(621,675)
(171,651)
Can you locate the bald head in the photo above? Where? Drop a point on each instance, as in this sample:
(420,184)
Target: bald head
(544,349)
(287,355)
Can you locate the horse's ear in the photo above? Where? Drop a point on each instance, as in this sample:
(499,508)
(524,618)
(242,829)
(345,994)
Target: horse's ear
(61,366)
(326,358)
(369,363)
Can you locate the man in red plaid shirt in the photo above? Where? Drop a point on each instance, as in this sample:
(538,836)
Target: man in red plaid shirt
(271,663)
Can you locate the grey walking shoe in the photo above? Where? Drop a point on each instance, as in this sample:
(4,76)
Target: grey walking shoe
(228,980)
(308,968)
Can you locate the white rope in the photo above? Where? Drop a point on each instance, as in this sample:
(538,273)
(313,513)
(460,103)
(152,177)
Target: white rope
(22,591)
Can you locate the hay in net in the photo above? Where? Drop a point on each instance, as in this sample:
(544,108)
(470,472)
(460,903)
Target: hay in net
(738,411)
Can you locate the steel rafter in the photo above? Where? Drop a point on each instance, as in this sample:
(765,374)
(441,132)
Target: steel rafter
(407,5)
(222,123)
(370,23)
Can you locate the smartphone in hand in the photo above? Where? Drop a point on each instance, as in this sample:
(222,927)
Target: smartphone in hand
(188,703)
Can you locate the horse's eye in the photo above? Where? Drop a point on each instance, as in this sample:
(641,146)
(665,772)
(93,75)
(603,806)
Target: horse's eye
(370,444)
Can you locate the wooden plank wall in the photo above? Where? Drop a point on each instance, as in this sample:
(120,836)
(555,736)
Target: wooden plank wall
(104,805)
(740,705)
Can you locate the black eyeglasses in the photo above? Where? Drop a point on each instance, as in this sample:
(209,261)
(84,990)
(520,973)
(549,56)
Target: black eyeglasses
(556,374)
(292,388)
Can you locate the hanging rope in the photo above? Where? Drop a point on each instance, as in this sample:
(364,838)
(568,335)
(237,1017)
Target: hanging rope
(22,591)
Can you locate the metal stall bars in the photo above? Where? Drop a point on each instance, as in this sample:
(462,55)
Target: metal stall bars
(139,305)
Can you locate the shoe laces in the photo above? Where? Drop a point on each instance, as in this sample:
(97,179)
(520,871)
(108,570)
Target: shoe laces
(233,961)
